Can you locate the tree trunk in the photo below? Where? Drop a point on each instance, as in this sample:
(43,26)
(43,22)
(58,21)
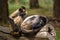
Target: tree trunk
(34,4)
(56,9)
(3,11)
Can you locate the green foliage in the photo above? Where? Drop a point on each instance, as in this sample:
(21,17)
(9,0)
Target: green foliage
(13,7)
(40,11)
(23,1)
(58,34)
(11,1)
(46,3)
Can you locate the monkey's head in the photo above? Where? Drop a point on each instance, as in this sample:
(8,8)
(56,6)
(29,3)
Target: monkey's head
(22,11)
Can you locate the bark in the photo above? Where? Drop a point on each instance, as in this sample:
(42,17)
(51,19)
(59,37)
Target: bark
(56,9)
(3,10)
(34,4)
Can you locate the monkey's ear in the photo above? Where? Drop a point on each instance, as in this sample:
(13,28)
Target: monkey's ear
(23,7)
(20,10)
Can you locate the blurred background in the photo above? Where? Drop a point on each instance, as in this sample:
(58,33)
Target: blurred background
(42,7)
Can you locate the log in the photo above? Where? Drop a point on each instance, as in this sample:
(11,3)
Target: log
(5,35)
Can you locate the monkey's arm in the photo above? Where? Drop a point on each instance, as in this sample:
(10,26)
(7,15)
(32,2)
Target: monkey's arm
(14,14)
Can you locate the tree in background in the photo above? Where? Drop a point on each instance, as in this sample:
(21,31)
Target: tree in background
(56,9)
(3,11)
(34,4)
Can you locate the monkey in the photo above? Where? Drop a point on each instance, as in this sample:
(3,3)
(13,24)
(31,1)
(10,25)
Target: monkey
(16,18)
(38,26)
(21,12)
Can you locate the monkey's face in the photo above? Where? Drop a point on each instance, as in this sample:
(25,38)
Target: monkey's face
(22,11)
